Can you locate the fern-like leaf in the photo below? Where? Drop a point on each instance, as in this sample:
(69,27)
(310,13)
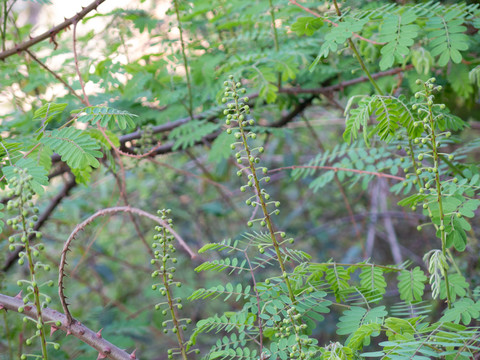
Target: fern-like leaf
(399,34)
(411,284)
(189,133)
(448,38)
(108,117)
(75,147)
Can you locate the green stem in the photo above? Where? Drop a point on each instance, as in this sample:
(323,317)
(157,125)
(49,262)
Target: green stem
(357,55)
(36,291)
(171,305)
(266,215)
(4,34)
(185,61)
(436,165)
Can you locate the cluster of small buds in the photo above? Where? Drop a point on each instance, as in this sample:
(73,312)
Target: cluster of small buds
(427,110)
(291,325)
(239,124)
(164,258)
(21,191)
(146,141)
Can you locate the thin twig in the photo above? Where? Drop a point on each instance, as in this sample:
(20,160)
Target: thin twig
(77,68)
(73,92)
(377,174)
(52,32)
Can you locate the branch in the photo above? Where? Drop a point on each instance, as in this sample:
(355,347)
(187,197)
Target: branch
(168,148)
(336,169)
(81,226)
(69,185)
(52,32)
(80,331)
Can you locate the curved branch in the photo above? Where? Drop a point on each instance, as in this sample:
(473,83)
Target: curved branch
(80,331)
(81,226)
(52,32)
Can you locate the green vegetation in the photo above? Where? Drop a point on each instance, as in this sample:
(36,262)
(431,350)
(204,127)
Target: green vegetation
(318,160)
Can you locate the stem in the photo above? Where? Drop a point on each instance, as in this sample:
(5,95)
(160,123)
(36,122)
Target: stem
(266,215)
(4,34)
(75,56)
(171,305)
(357,55)
(257,296)
(36,291)
(275,39)
(436,165)
(185,61)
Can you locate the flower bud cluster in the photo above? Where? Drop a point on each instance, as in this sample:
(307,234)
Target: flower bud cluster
(146,141)
(164,258)
(427,162)
(23,225)
(239,124)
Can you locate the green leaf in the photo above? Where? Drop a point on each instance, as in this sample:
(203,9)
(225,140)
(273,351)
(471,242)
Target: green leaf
(411,284)
(75,147)
(220,149)
(464,310)
(191,132)
(356,317)
(371,279)
(49,111)
(457,284)
(361,336)
(306,25)
(399,33)
(108,117)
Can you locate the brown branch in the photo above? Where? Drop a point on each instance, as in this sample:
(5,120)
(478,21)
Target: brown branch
(377,174)
(80,331)
(168,147)
(52,32)
(69,185)
(81,226)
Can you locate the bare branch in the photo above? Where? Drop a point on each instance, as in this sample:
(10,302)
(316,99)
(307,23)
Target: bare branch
(80,331)
(81,226)
(52,32)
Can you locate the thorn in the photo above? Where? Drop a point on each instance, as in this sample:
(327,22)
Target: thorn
(101,356)
(69,332)
(99,333)
(53,329)
(19,295)
(133,355)
(2,307)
